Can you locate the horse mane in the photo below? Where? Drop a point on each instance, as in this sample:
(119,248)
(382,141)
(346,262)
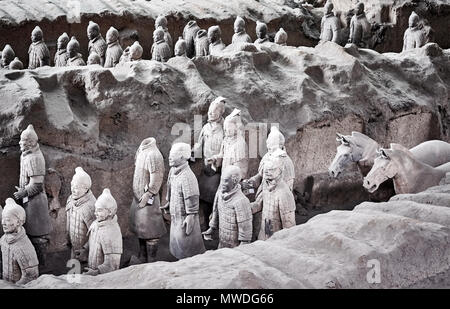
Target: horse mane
(358,138)
(403,149)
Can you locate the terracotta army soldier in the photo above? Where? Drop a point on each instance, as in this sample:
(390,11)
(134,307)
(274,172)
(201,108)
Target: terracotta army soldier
(359,27)
(16,64)
(114,50)
(61,55)
(132,53)
(183,201)
(189,35)
(180,48)
(281,37)
(232,213)
(234,148)
(19,260)
(201,43)
(31,192)
(240,36)
(161,23)
(146,220)
(96,42)
(414,37)
(261,33)
(8,56)
(73,49)
(94,58)
(80,210)
(277,202)
(330,25)
(214,36)
(38,52)
(105,238)
(160,49)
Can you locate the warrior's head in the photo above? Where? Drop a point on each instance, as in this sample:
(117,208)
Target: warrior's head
(180,47)
(281,37)
(28,139)
(13,217)
(273,166)
(158,35)
(161,21)
(359,8)
(275,140)
(216,109)
(16,64)
(261,30)
(105,206)
(93,30)
(136,51)
(329,7)
(63,40)
(7,55)
(239,25)
(37,34)
(179,154)
(231,177)
(73,47)
(81,183)
(413,20)
(233,124)
(214,34)
(94,58)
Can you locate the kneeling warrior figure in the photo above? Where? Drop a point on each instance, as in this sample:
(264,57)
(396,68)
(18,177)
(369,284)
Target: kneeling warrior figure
(232,213)
(19,260)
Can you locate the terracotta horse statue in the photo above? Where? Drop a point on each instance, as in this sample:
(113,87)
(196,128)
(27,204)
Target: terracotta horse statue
(360,149)
(409,174)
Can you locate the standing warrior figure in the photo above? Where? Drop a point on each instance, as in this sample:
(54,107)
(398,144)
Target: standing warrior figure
(281,37)
(96,42)
(146,220)
(160,49)
(114,51)
(232,213)
(8,56)
(216,45)
(73,49)
(61,55)
(38,52)
(105,238)
(330,25)
(414,37)
(240,36)
(80,210)
(201,43)
(233,150)
(183,201)
(31,192)
(180,48)
(189,35)
(20,263)
(277,202)
(161,23)
(261,33)
(359,27)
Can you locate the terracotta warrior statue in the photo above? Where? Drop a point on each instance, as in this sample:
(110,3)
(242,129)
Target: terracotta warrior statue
(240,36)
(73,49)
(19,260)
(114,50)
(16,64)
(232,213)
(160,49)
(61,55)
(96,42)
(105,238)
(233,150)
(8,56)
(261,33)
(201,43)
(80,210)
(132,53)
(31,192)
(214,36)
(359,27)
(281,37)
(94,58)
(330,25)
(183,203)
(414,36)
(276,202)
(189,35)
(180,48)
(146,220)
(38,52)
(161,23)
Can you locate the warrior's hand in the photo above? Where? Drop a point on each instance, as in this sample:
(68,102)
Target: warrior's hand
(81,254)
(188,224)
(165,208)
(91,272)
(20,194)
(144,199)
(207,235)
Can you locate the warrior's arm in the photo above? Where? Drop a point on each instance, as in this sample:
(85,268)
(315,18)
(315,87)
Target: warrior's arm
(257,205)
(192,204)
(111,263)
(214,222)
(335,29)
(245,230)
(287,212)
(28,274)
(35,186)
(352,26)
(199,144)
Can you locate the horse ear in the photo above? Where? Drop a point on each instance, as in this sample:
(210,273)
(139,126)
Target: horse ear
(339,137)
(383,153)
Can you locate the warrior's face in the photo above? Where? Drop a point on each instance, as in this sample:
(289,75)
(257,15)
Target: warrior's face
(272,146)
(227,183)
(261,32)
(62,44)
(176,157)
(10,223)
(26,144)
(214,114)
(271,171)
(36,37)
(231,129)
(72,50)
(213,36)
(78,190)
(92,33)
(238,28)
(102,213)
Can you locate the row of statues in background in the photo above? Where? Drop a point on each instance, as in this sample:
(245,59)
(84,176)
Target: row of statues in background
(359,28)
(93,232)
(109,53)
